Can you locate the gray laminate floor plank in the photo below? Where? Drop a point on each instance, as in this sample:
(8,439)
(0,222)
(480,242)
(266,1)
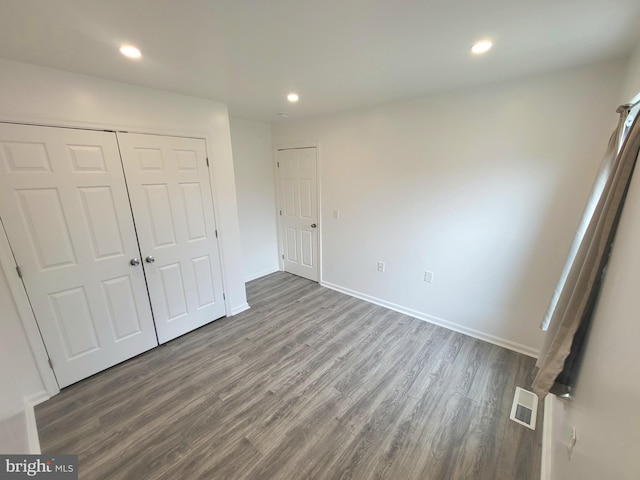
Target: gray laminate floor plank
(307,384)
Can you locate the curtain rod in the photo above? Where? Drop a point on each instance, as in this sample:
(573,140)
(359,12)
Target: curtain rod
(626,107)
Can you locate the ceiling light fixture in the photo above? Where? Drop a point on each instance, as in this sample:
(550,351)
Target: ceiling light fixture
(482,46)
(293,97)
(130,51)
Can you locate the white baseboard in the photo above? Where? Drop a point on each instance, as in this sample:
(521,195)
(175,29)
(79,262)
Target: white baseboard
(547,435)
(264,273)
(239,309)
(32,427)
(501,342)
(37,398)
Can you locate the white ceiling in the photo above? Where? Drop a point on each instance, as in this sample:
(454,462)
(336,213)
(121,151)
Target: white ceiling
(336,54)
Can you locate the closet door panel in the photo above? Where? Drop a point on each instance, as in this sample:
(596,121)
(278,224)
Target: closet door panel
(65,210)
(168,182)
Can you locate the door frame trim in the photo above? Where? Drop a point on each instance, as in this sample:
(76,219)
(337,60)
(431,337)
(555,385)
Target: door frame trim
(291,146)
(8,264)
(26,315)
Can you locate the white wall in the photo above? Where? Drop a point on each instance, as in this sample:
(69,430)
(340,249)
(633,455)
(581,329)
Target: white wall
(483,187)
(607,393)
(34,94)
(631,85)
(255,190)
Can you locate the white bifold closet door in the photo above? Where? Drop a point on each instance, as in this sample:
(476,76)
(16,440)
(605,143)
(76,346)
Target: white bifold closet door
(65,210)
(168,182)
(113,260)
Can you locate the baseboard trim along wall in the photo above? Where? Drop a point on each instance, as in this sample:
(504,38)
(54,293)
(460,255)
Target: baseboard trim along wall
(239,309)
(501,342)
(547,436)
(264,273)
(32,427)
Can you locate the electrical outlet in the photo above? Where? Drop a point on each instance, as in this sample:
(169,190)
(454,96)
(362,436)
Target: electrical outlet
(572,442)
(428,276)
(336,214)
(380,266)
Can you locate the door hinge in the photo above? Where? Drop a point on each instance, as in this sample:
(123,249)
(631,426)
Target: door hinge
(278,164)
(280,212)
(216,233)
(19,271)
(283,256)
(207,162)
(224,297)
(50,364)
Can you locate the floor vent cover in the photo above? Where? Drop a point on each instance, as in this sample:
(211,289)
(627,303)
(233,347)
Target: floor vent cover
(525,408)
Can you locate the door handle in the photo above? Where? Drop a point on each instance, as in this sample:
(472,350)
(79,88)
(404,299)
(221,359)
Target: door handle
(149,259)
(134,261)
(313,225)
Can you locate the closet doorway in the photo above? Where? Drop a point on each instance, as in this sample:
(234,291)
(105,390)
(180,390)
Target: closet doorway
(107,283)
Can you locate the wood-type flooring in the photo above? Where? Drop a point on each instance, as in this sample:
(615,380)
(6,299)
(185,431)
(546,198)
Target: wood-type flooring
(307,384)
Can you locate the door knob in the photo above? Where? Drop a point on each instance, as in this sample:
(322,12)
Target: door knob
(313,225)
(149,259)
(134,261)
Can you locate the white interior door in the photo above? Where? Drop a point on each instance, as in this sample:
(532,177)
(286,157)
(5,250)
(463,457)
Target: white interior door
(297,192)
(64,206)
(170,193)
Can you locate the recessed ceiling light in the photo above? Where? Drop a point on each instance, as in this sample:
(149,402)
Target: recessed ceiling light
(130,51)
(283,114)
(482,46)
(293,97)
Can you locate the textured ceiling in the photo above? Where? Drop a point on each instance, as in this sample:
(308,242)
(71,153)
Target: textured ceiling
(336,54)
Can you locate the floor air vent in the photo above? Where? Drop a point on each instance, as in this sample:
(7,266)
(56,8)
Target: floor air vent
(525,408)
